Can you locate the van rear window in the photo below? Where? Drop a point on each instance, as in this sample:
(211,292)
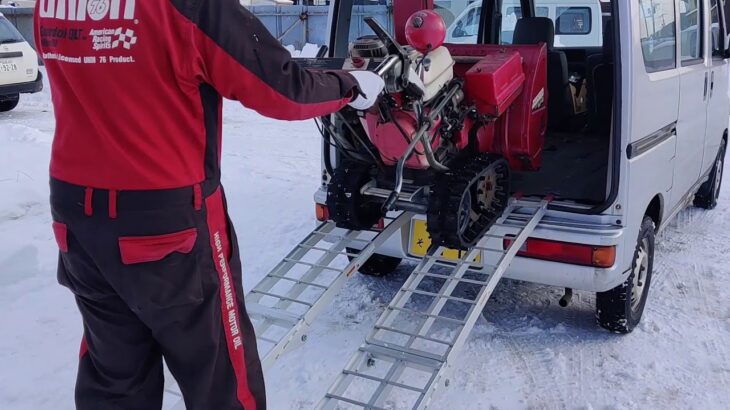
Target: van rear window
(658,35)
(8,33)
(573,20)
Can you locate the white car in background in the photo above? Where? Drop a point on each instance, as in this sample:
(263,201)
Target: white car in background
(577,22)
(18,66)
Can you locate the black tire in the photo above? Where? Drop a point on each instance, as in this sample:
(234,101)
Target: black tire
(8,102)
(377,265)
(348,208)
(706,197)
(619,309)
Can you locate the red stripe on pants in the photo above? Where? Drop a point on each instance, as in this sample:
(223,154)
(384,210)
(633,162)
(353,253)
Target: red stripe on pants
(220,243)
(84,348)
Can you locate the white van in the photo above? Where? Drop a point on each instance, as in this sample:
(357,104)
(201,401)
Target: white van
(651,142)
(18,66)
(577,22)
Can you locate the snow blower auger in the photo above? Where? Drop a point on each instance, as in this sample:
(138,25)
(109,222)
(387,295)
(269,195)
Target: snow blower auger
(451,123)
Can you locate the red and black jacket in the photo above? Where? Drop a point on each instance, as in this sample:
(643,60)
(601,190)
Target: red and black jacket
(137,86)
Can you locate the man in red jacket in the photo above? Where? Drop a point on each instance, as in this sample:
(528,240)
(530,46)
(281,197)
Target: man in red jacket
(139,214)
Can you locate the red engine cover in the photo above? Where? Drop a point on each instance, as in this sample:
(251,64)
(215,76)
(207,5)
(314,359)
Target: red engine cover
(495,81)
(392,144)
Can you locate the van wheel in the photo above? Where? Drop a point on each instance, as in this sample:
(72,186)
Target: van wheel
(619,309)
(709,192)
(378,265)
(8,102)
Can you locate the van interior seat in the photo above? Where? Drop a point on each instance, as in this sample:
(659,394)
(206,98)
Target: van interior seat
(533,30)
(599,75)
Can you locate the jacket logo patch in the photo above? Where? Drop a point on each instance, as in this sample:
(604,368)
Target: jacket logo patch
(79,10)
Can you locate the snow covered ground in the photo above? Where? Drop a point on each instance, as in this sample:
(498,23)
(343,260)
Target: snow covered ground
(530,353)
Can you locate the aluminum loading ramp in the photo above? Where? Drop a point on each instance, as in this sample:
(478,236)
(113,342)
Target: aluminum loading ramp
(287,300)
(408,355)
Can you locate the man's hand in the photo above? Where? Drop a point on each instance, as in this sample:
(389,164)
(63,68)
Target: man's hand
(371,85)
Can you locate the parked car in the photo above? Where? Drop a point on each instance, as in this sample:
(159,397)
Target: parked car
(577,22)
(18,66)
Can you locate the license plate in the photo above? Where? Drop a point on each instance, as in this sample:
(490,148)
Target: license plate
(421,240)
(8,67)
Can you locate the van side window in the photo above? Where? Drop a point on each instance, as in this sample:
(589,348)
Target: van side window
(658,36)
(715,28)
(691,31)
(511,13)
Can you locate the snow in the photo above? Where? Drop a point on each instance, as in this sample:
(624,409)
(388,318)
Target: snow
(529,353)
(308,50)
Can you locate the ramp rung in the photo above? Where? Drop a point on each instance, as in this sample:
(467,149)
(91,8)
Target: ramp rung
(450,265)
(336,237)
(417,312)
(415,335)
(439,295)
(451,278)
(270,313)
(313,265)
(420,354)
(378,350)
(330,251)
(297,281)
(384,381)
(274,295)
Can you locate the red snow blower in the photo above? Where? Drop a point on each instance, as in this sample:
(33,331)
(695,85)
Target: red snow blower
(451,123)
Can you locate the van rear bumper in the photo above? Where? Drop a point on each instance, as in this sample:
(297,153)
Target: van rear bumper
(565,275)
(596,230)
(22,88)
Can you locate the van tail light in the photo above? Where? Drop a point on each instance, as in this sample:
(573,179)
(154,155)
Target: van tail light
(566,252)
(322,212)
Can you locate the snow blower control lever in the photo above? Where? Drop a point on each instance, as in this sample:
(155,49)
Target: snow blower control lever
(451,123)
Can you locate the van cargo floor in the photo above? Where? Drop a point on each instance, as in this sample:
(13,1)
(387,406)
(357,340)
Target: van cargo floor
(574,166)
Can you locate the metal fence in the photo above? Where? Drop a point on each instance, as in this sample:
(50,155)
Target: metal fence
(295,25)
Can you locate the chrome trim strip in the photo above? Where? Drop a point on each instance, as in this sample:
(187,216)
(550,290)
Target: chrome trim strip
(645,144)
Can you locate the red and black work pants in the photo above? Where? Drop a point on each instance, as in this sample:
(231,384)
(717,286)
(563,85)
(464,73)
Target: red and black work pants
(156,274)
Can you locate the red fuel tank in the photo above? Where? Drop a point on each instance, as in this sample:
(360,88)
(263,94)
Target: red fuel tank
(495,81)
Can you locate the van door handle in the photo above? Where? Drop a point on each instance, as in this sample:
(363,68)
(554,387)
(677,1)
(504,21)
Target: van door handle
(705,97)
(712,83)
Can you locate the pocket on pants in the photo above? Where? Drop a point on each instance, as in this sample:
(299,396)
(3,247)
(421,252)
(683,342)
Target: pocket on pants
(140,249)
(162,271)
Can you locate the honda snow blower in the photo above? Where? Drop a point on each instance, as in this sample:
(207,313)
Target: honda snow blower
(452,122)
